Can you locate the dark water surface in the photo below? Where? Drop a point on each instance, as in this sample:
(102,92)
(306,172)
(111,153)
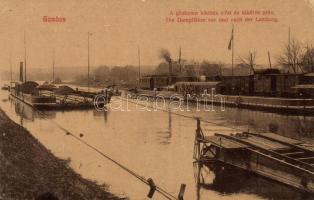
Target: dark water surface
(159,145)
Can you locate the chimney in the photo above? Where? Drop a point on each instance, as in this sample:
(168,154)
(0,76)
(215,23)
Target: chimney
(170,73)
(170,67)
(21,72)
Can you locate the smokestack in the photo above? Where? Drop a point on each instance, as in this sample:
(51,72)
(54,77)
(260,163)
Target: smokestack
(21,72)
(170,67)
(165,54)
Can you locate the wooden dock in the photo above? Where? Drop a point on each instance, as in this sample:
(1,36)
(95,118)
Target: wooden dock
(270,155)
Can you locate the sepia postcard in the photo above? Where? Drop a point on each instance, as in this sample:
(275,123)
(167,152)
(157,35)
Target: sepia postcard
(157,99)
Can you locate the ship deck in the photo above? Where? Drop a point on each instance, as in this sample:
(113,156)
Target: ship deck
(274,156)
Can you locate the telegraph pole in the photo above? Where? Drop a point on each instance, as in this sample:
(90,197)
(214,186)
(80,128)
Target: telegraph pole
(24,56)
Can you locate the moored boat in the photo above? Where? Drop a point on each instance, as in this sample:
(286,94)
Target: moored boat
(5,87)
(270,155)
(29,93)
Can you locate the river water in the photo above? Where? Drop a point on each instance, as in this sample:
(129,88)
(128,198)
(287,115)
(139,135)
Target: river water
(156,144)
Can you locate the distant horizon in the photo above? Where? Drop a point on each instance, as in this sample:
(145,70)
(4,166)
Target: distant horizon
(81,70)
(116,33)
(152,67)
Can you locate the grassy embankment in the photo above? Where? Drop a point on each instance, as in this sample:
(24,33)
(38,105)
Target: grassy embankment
(28,169)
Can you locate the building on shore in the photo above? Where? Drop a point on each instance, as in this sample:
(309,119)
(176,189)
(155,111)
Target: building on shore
(264,82)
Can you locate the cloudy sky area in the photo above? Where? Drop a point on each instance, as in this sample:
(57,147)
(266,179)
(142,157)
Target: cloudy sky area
(119,26)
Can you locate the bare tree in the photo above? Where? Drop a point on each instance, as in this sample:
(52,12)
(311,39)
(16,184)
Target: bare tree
(308,59)
(249,61)
(291,56)
(209,68)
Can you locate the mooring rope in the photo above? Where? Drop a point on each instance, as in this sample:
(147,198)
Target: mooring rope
(160,190)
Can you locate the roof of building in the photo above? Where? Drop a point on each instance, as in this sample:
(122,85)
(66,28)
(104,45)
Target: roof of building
(206,83)
(287,74)
(159,75)
(267,71)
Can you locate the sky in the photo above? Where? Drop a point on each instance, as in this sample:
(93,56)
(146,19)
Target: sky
(119,27)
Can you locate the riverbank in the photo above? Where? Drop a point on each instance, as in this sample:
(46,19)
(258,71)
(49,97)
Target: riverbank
(28,169)
(292,106)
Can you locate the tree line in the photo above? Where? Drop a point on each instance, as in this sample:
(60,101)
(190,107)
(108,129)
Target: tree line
(105,76)
(294,58)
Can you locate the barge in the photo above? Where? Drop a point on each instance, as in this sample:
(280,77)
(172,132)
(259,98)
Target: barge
(28,93)
(279,158)
(39,97)
(291,106)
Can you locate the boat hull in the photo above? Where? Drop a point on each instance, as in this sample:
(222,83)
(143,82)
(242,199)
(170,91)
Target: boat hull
(266,166)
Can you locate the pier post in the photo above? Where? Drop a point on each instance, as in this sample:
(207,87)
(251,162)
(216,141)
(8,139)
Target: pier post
(197,148)
(152,186)
(181,192)
(155,94)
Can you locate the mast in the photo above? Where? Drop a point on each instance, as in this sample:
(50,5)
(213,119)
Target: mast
(251,62)
(139,64)
(269,60)
(10,71)
(179,60)
(289,36)
(88,33)
(53,65)
(24,57)
(232,46)
(289,50)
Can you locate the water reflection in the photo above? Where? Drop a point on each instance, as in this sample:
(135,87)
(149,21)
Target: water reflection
(159,145)
(298,127)
(26,112)
(101,114)
(228,180)
(165,135)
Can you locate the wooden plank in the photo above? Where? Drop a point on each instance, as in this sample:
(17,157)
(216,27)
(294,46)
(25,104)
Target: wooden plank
(224,142)
(263,143)
(282,138)
(306,158)
(293,153)
(260,149)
